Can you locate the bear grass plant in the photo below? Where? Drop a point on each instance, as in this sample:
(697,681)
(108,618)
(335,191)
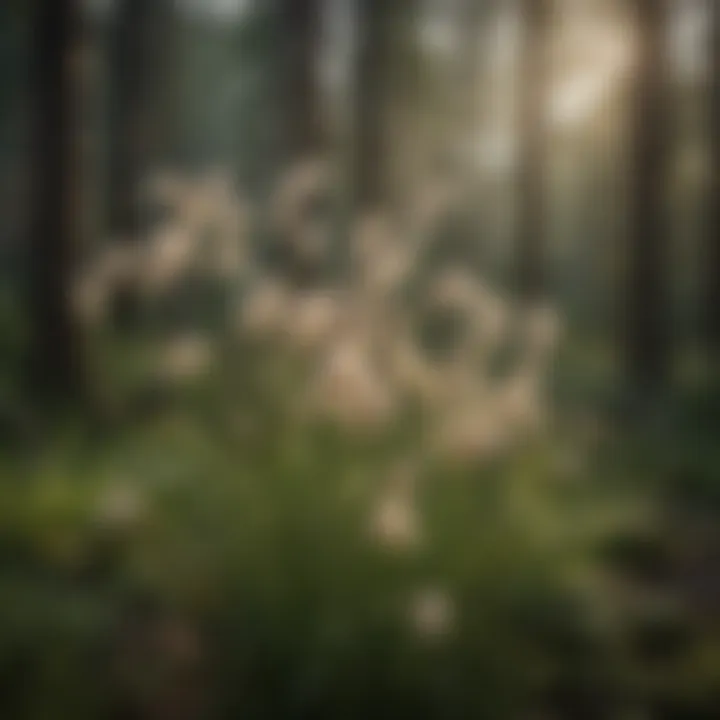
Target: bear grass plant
(321,518)
(262,539)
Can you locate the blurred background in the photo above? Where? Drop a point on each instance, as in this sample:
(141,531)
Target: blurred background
(360,357)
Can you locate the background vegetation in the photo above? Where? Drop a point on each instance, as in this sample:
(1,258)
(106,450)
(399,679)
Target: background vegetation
(359,358)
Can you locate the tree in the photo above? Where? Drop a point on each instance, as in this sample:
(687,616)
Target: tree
(140,70)
(646,299)
(301,103)
(531,141)
(372,53)
(301,133)
(472,17)
(712,259)
(55,364)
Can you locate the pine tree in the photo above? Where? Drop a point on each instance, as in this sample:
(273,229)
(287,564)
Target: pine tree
(531,232)
(646,302)
(55,364)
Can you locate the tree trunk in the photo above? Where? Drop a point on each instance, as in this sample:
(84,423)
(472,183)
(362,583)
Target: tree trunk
(471,105)
(55,365)
(142,133)
(531,232)
(301,133)
(301,102)
(373,50)
(472,17)
(140,71)
(712,259)
(646,303)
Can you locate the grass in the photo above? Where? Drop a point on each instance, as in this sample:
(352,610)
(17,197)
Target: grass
(209,556)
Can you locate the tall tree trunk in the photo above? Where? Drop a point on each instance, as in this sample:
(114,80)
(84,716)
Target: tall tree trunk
(140,70)
(531,232)
(712,259)
(646,302)
(301,102)
(55,365)
(373,55)
(301,137)
(472,19)
(387,84)
(472,16)
(142,133)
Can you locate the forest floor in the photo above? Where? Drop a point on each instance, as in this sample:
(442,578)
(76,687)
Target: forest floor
(201,559)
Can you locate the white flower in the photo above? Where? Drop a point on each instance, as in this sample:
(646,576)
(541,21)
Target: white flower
(186,357)
(432,613)
(456,288)
(167,256)
(471,433)
(350,391)
(205,200)
(519,403)
(313,318)
(462,386)
(265,311)
(395,521)
(119,505)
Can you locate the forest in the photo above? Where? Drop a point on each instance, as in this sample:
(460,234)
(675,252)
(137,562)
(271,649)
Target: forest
(360,358)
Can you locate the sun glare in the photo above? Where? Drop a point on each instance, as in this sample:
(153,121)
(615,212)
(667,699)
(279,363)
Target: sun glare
(576,100)
(590,63)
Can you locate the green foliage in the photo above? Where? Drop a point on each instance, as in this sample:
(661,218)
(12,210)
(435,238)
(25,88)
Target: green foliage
(253,529)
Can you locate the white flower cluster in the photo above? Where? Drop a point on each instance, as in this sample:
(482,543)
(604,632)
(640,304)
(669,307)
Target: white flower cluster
(363,365)
(206,231)
(359,343)
(367,361)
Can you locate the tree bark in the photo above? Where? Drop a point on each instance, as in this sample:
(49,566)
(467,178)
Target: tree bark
(531,231)
(712,259)
(301,101)
(647,300)
(55,363)
(374,45)
(142,126)
(472,17)
(140,72)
